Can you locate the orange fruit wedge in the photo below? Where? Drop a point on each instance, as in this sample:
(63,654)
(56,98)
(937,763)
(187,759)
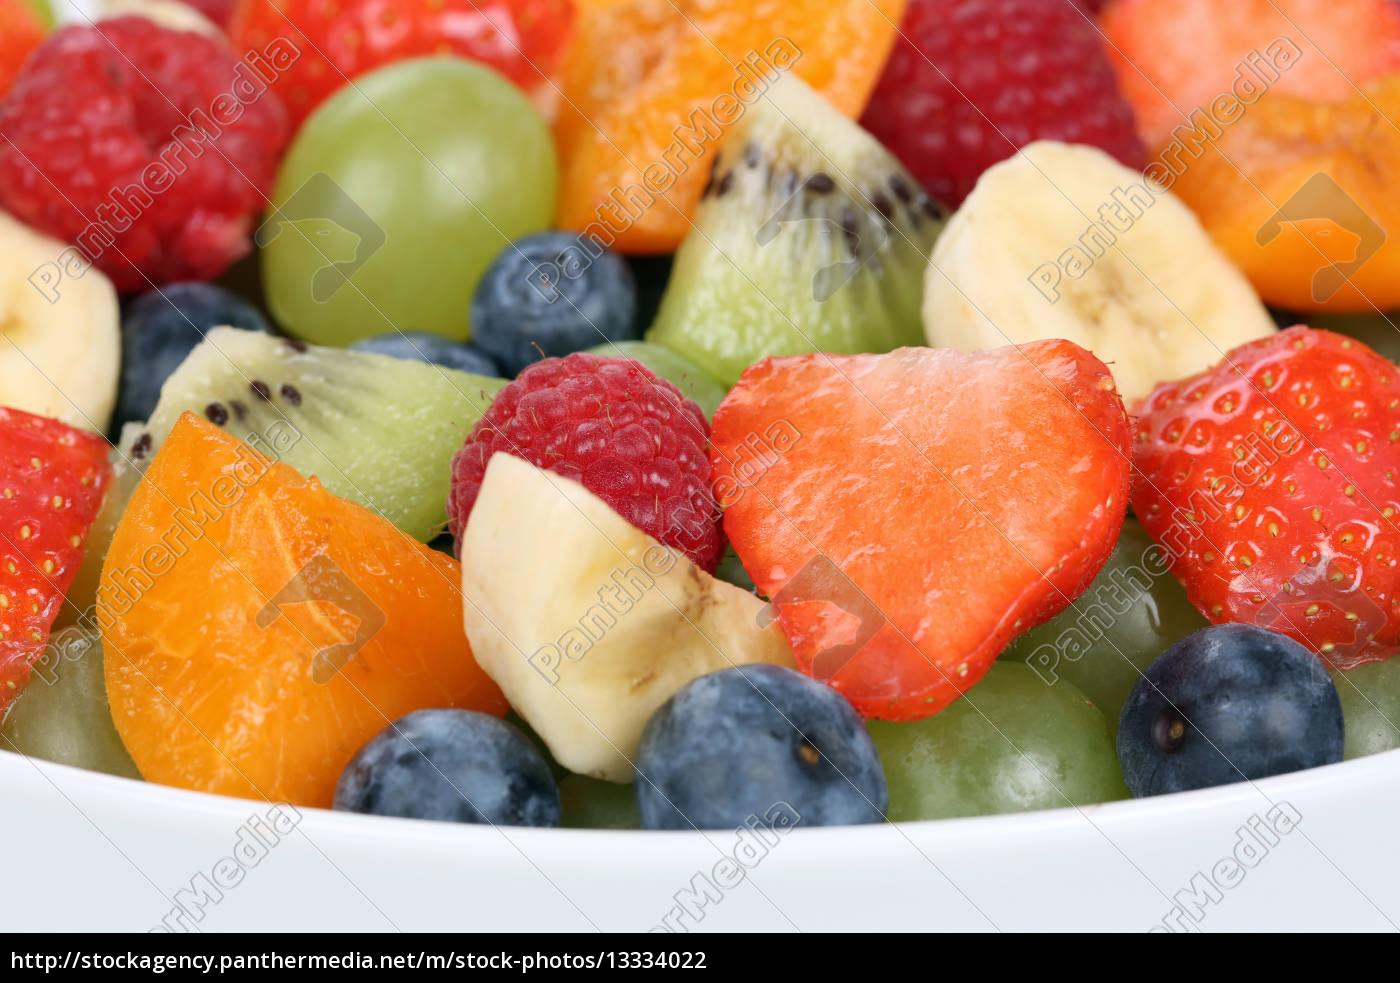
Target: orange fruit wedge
(650,86)
(259,630)
(1301,195)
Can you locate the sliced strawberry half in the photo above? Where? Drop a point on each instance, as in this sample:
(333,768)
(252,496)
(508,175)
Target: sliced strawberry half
(909,514)
(52,479)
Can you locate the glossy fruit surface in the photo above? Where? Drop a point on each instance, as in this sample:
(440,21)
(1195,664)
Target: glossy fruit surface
(1298,193)
(452,766)
(52,482)
(901,520)
(731,745)
(650,87)
(1271,480)
(549,295)
(1132,612)
(1230,703)
(110,140)
(1370,696)
(396,196)
(259,631)
(1012,744)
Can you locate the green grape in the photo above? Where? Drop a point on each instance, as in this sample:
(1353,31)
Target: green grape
(1133,612)
(590,803)
(689,378)
(1380,332)
(397,194)
(1012,744)
(1370,706)
(62,715)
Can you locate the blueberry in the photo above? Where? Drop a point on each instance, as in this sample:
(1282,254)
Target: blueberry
(1227,704)
(555,290)
(160,328)
(746,741)
(421,346)
(453,766)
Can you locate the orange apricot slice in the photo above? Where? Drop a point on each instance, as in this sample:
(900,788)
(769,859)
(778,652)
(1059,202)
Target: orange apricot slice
(650,86)
(258,630)
(1301,195)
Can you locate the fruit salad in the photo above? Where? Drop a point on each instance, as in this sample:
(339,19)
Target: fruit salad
(611,414)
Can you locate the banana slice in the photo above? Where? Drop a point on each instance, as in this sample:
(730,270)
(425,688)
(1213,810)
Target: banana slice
(60,330)
(167,13)
(586,622)
(1062,241)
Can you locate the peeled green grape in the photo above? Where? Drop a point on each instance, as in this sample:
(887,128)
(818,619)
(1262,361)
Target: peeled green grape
(1133,612)
(689,378)
(62,715)
(396,195)
(1012,744)
(591,803)
(1370,706)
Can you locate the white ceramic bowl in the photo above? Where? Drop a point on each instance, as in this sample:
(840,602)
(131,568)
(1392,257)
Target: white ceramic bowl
(90,852)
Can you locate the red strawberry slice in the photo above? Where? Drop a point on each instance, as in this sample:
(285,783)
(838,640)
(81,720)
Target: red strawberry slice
(1271,483)
(909,514)
(52,479)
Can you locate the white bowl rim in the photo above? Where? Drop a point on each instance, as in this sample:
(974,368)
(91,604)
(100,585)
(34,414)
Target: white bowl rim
(172,802)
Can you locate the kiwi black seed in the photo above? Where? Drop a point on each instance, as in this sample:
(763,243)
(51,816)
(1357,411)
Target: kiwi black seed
(336,414)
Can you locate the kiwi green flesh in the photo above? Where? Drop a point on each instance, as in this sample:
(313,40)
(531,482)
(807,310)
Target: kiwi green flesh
(809,237)
(377,430)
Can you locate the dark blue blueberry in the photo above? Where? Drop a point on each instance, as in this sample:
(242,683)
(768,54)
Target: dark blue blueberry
(552,294)
(159,329)
(1226,704)
(421,346)
(454,766)
(758,741)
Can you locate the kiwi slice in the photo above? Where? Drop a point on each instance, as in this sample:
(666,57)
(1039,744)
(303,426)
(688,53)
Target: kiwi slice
(377,430)
(809,237)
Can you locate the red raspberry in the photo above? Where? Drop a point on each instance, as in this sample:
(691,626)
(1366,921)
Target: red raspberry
(972,81)
(630,438)
(149,149)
